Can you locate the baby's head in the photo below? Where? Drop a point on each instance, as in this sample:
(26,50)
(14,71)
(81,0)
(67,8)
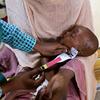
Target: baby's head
(81,38)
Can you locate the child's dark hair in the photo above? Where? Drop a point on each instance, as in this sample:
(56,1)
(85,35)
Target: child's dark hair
(89,42)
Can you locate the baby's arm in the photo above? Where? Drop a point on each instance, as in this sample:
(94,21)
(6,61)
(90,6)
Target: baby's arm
(57,87)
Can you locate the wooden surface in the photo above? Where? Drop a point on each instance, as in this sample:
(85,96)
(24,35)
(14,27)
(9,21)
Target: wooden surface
(99,52)
(97,67)
(97,95)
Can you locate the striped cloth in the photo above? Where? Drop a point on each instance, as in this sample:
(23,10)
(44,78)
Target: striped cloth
(13,36)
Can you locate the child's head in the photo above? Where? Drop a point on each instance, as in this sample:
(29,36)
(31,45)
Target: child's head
(80,38)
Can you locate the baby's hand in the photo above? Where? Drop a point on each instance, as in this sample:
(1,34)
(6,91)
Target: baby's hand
(43,94)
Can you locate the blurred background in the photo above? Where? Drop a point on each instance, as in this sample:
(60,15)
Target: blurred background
(2,10)
(95,4)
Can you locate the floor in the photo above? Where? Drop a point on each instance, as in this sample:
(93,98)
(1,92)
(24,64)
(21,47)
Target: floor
(98,95)
(97,73)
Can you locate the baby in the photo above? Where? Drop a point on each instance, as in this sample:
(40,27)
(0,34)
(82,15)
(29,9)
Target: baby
(76,36)
(79,37)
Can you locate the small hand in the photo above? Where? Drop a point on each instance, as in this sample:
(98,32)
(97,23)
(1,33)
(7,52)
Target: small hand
(44,94)
(49,48)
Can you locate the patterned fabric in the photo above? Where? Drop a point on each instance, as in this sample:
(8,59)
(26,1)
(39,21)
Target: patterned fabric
(12,35)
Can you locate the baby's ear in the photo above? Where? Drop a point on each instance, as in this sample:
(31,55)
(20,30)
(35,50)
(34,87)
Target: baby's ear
(81,53)
(73,35)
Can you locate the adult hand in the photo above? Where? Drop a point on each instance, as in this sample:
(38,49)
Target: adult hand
(57,87)
(25,80)
(19,95)
(49,47)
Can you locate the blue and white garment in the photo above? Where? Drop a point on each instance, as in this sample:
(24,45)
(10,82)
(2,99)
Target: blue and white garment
(13,36)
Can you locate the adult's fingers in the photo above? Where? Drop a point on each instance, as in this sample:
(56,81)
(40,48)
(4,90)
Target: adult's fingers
(39,80)
(34,72)
(34,83)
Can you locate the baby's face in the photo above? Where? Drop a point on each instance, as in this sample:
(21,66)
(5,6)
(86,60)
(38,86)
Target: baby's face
(72,38)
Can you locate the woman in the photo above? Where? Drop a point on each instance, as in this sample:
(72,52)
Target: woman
(47,19)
